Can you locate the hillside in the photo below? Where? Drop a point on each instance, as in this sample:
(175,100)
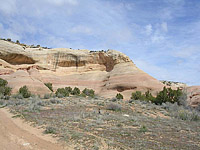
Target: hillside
(99,124)
(107,72)
(152,118)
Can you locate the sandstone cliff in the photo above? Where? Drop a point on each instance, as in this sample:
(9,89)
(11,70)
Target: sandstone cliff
(107,72)
(193,95)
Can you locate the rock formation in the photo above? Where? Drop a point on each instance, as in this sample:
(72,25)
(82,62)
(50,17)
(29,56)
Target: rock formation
(107,72)
(193,95)
(174,84)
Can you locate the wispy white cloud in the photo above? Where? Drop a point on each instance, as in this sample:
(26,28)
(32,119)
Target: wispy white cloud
(164,26)
(81,29)
(187,52)
(153,69)
(157,38)
(8,7)
(62,2)
(157,32)
(8,33)
(148,29)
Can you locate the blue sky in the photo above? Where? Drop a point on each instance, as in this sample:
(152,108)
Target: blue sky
(162,37)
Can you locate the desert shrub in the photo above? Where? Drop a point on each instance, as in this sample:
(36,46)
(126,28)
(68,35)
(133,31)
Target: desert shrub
(7,91)
(143,129)
(53,95)
(148,96)
(36,96)
(3,82)
(137,96)
(181,112)
(24,92)
(17,42)
(76,91)
(168,95)
(4,89)
(50,130)
(1,96)
(55,101)
(198,108)
(59,95)
(182,100)
(62,91)
(114,99)
(17,102)
(1,102)
(17,96)
(34,104)
(9,39)
(33,107)
(41,103)
(68,89)
(185,114)
(49,85)
(47,96)
(113,107)
(88,92)
(119,96)
(83,95)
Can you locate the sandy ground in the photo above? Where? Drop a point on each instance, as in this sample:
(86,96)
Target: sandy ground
(15,134)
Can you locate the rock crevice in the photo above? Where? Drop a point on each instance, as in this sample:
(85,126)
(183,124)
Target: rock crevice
(17,59)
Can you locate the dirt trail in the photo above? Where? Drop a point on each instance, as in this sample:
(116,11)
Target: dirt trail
(18,135)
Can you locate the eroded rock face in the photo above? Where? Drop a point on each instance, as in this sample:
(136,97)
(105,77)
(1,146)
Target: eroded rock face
(107,72)
(193,95)
(17,59)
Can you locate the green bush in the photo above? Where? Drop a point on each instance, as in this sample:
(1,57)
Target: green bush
(4,89)
(88,92)
(148,96)
(83,95)
(50,130)
(119,96)
(76,91)
(17,42)
(59,95)
(49,85)
(143,129)
(168,95)
(24,92)
(61,92)
(3,82)
(68,89)
(137,96)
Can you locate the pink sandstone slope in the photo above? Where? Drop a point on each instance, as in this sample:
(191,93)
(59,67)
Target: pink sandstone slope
(107,72)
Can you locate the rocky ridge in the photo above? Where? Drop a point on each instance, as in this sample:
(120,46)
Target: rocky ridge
(107,72)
